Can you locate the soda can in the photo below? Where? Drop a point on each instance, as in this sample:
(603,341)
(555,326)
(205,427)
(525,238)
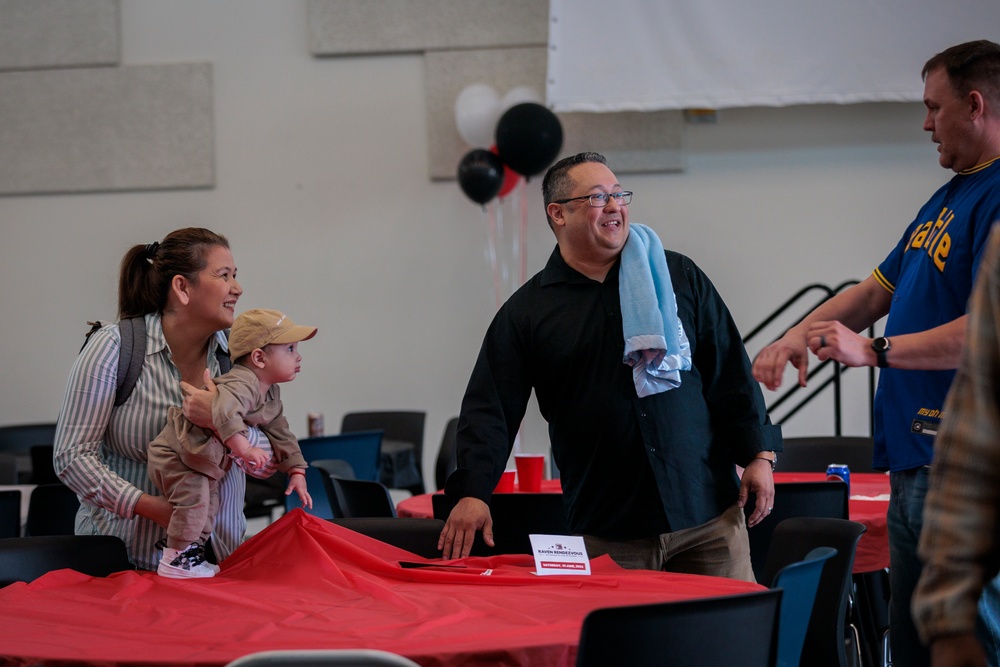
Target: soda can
(315,424)
(840,471)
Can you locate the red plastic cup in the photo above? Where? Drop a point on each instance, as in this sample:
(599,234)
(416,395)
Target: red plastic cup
(529,471)
(506,483)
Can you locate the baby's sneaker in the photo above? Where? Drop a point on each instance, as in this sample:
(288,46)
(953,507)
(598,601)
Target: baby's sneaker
(187,564)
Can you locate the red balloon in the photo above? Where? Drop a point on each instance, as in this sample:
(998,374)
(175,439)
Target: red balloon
(510,177)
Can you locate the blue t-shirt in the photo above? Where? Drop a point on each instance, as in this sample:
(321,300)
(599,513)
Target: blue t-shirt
(930,274)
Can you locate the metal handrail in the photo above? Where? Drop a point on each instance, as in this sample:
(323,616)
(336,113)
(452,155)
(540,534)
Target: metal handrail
(827,293)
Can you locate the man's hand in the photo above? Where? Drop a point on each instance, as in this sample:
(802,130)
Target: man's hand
(832,340)
(957,651)
(468,516)
(757,477)
(769,365)
(297,483)
(197,405)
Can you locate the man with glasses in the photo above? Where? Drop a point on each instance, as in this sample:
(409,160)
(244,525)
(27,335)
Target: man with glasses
(649,479)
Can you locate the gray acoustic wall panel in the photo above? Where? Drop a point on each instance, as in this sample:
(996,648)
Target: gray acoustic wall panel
(130,128)
(58,33)
(632,142)
(347,27)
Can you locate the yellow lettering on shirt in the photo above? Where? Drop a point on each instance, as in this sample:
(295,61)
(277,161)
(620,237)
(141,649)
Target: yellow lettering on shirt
(941,252)
(920,235)
(934,239)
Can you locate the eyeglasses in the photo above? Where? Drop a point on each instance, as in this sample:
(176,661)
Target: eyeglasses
(601,199)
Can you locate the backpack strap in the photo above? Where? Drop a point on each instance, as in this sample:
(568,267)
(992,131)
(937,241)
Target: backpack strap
(131,356)
(225,363)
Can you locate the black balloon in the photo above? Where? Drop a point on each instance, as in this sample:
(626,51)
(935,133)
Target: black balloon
(480,173)
(529,137)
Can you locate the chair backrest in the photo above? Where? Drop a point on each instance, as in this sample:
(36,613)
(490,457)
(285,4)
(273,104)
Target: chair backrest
(10,513)
(399,425)
(52,510)
(326,499)
(21,437)
(799,582)
(263,496)
(42,469)
(335,468)
(447,458)
(793,539)
(515,517)
(18,439)
(792,499)
(815,453)
(322,658)
(708,632)
(360,450)
(418,536)
(10,464)
(363,498)
(27,558)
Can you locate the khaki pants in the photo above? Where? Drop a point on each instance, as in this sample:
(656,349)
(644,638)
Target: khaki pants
(195,496)
(718,548)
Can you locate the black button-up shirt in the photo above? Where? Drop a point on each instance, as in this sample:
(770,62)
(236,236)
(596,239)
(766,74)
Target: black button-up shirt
(630,467)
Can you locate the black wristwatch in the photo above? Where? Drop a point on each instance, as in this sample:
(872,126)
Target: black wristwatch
(882,346)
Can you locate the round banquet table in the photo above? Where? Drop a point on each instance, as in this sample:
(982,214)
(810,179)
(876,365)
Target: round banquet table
(304,583)
(868,505)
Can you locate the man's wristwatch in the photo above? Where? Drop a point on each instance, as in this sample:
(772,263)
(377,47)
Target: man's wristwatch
(768,456)
(881,346)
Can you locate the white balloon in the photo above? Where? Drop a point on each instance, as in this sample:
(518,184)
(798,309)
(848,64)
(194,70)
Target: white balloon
(519,95)
(477,110)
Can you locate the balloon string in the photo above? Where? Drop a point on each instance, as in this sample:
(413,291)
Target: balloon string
(513,262)
(492,245)
(524,232)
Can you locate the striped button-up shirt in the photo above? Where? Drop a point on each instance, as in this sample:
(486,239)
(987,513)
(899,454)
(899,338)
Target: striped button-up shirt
(100,450)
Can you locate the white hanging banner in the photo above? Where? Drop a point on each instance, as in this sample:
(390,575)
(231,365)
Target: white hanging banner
(646,55)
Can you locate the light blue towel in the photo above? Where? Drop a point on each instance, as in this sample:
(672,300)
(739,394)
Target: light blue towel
(656,346)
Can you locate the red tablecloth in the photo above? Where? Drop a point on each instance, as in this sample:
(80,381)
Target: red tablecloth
(869,502)
(422,507)
(306,583)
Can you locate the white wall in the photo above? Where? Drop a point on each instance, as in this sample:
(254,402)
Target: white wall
(322,189)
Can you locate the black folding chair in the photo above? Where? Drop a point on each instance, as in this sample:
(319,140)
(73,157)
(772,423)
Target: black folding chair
(793,499)
(828,637)
(10,513)
(52,510)
(27,558)
(401,465)
(362,498)
(418,536)
(709,632)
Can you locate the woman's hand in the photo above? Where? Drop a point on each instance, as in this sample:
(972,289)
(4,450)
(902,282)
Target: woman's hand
(154,508)
(197,405)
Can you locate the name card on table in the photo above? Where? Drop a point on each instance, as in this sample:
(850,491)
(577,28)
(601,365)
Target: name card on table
(559,554)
